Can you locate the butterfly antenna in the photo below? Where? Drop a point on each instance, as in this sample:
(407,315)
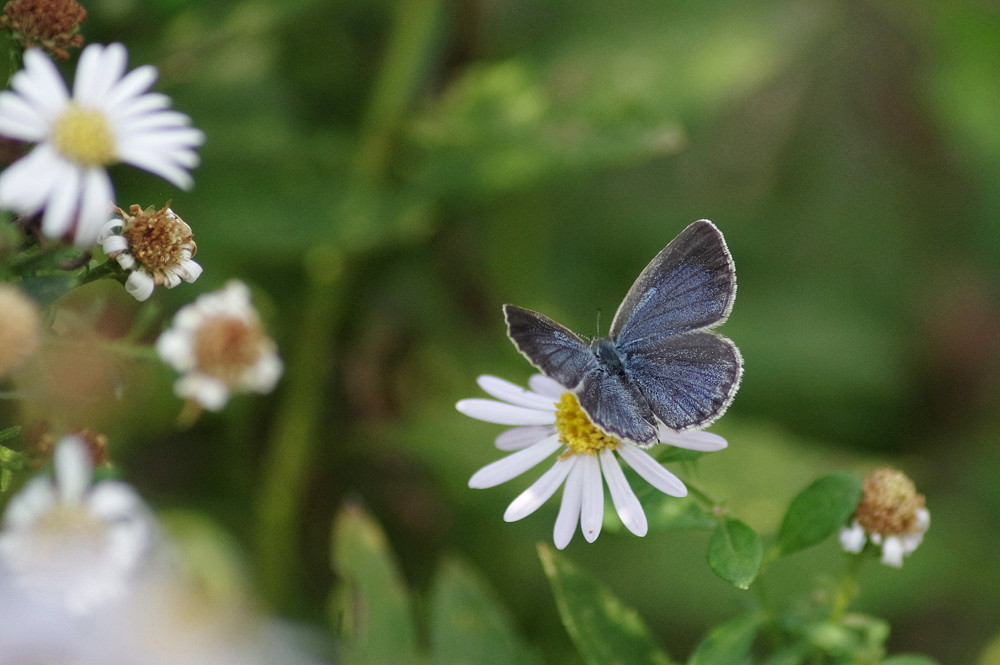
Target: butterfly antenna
(599,322)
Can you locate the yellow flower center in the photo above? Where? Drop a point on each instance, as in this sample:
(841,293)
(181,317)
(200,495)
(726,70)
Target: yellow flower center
(889,504)
(84,136)
(158,239)
(577,431)
(226,346)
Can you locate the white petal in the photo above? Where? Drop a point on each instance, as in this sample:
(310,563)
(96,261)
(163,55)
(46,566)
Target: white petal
(853,538)
(208,391)
(694,440)
(514,464)
(36,498)
(114,500)
(522,437)
(569,509)
(892,552)
(95,204)
(651,470)
(504,414)
(592,507)
(41,85)
(626,503)
(139,285)
(62,206)
(20,120)
(543,385)
(112,244)
(73,468)
(514,394)
(532,498)
(189,270)
(98,70)
(131,86)
(26,184)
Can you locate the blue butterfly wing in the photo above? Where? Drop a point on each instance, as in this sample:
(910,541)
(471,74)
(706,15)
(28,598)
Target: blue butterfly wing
(553,348)
(688,380)
(689,285)
(615,405)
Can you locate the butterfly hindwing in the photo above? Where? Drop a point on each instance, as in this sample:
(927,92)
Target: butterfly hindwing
(689,285)
(687,380)
(615,405)
(553,348)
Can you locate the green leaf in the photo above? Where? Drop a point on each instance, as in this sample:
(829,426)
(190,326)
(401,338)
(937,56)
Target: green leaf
(603,629)
(467,623)
(370,606)
(909,659)
(793,654)
(728,643)
(665,513)
(818,511)
(735,552)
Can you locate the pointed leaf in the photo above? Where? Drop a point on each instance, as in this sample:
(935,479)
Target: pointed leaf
(818,511)
(467,623)
(604,630)
(735,552)
(728,643)
(370,606)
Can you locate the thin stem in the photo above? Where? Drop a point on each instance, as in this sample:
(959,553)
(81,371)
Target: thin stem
(848,587)
(292,442)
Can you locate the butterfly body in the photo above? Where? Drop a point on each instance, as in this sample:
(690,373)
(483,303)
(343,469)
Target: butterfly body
(661,363)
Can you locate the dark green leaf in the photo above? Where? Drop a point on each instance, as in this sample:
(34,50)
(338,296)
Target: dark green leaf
(818,511)
(604,630)
(734,553)
(728,643)
(370,606)
(467,623)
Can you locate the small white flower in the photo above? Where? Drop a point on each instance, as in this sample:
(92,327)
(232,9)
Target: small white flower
(549,420)
(219,346)
(109,118)
(70,543)
(891,515)
(155,246)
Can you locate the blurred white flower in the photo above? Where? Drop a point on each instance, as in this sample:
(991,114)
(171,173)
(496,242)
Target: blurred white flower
(549,420)
(155,246)
(71,544)
(219,346)
(109,118)
(891,514)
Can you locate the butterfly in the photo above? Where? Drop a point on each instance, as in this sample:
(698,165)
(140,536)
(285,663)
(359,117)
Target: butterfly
(662,362)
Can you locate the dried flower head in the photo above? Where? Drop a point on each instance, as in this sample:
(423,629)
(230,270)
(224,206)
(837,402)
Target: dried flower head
(155,246)
(20,329)
(891,513)
(53,25)
(219,345)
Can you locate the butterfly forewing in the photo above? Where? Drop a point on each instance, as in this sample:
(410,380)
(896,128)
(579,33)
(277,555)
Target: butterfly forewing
(689,285)
(616,406)
(553,348)
(688,380)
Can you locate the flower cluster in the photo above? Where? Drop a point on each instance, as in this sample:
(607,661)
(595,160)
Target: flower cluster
(892,515)
(219,345)
(109,118)
(548,420)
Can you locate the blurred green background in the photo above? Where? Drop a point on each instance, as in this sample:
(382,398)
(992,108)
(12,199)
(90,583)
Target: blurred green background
(387,174)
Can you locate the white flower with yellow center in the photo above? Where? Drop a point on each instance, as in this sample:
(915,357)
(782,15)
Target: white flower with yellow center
(219,346)
(548,420)
(155,246)
(109,118)
(71,544)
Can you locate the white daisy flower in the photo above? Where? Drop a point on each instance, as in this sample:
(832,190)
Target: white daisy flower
(891,515)
(71,544)
(109,118)
(549,420)
(219,346)
(155,246)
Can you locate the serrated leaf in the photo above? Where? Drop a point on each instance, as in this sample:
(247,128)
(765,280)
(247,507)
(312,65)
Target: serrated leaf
(735,552)
(604,630)
(467,623)
(728,643)
(370,606)
(818,511)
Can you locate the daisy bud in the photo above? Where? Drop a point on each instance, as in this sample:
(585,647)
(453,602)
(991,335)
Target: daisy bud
(891,514)
(50,24)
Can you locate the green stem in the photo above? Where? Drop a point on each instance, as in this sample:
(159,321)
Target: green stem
(848,587)
(292,442)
